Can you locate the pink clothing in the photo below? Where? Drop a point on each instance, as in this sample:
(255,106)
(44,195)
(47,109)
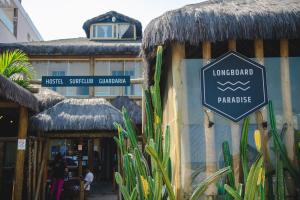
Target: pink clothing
(57,186)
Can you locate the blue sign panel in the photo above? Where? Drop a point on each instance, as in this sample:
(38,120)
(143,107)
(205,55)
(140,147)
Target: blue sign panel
(75,81)
(234,86)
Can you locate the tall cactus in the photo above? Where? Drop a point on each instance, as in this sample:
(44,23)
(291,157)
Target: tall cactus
(144,178)
(228,163)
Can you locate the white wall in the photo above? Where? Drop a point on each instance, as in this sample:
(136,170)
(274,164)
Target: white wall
(26,31)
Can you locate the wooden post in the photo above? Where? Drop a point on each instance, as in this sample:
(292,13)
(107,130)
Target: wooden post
(91,154)
(262,114)
(92,73)
(2,150)
(45,173)
(34,166)
(178,54)
(22,134)
(81,196)
(235,135)
(29,186)
(209,132)
(286,97)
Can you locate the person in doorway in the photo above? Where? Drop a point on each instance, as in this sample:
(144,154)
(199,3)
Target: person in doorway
(58,172)
(88,179)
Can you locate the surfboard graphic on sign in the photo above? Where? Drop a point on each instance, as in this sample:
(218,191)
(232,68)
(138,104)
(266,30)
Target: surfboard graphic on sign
(234,86)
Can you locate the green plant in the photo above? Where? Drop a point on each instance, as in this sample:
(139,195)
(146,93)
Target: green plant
(244,148)
(15,66)
(148,175)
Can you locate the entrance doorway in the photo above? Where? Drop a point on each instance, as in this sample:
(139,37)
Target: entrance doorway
(98,154)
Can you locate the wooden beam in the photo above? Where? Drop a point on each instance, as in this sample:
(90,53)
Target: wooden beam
(209,132)
(287,98)
(79,134)
(8,104)
(19,171)
(178,54)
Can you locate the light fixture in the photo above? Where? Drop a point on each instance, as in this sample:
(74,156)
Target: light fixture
(1,116)
(11,121)
(113,19)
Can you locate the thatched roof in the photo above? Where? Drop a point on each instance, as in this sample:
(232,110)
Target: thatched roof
(107,18)
(77,115)
(48,98)
(76,46)
(13,92)
(219,20)
(134,110)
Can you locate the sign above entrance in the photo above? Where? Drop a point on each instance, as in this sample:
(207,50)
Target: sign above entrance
(75,81)
(234,86)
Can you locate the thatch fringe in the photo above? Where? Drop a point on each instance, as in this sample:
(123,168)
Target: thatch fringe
(222,20)
(134,110)
(77,115)
(76,46)
(48,98)
(13,92)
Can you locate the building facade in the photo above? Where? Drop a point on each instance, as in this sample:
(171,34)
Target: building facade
(15,24)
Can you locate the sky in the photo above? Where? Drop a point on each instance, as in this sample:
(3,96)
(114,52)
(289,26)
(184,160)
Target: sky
(57,19)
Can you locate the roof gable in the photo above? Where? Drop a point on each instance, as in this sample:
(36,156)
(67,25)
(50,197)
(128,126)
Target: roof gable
(108,18)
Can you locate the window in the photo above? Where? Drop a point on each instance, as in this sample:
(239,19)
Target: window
(130,68)
(113,31)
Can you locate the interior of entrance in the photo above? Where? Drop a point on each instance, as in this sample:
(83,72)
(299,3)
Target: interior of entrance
(98,154)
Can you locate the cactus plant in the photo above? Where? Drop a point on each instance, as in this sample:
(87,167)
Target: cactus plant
(147,175)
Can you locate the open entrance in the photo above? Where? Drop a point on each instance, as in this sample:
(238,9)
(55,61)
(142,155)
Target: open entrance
(97,154)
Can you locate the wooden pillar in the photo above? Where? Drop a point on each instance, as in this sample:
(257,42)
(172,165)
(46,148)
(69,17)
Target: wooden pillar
(92,73)
(91,154)
(29,186)
(2,150)
(235,135)
(34,166)
(261,115)
(81,196)
(209,132)
(286,97)
(22,134)
(178,54)
(45,176)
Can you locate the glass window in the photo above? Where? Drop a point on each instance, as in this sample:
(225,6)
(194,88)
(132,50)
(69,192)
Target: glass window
(102,68)
(113,31)
(103,31)
(63,68)
(126,31)
(116,69)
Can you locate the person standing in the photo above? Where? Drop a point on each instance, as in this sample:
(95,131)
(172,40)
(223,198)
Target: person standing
(58,171)
(88,179)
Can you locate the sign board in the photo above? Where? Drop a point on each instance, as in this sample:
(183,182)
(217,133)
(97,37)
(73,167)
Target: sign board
(234,86)
(84,81)
(21,144)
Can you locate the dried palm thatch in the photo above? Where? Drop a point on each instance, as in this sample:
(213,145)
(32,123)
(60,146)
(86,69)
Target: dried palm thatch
(76,46)
(77,115)
(13,92)
(134,110)
(48,98)
(220,20)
